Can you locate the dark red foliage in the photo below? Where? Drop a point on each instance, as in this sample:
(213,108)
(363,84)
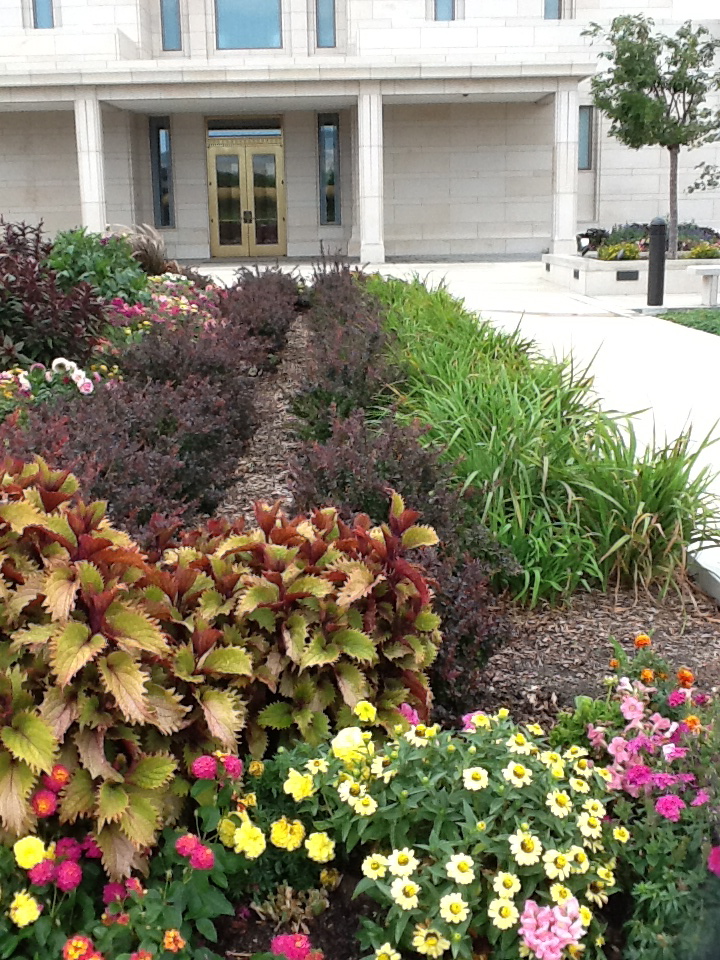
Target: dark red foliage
(260,306)
(41,320)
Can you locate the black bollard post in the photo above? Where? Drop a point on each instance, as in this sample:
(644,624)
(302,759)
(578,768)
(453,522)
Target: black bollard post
(656,264)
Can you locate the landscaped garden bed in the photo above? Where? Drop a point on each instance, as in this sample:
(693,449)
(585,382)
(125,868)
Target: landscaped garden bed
(234,728)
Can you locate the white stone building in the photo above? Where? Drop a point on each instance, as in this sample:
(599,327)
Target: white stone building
(399,128)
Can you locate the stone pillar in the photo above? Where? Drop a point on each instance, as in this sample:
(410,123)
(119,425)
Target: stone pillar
(565,170)
(91,162)
(369,214)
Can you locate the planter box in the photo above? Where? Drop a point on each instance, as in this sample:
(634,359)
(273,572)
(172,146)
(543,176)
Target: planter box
(604,278)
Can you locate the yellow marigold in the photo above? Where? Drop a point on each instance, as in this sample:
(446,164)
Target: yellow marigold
(256,768)
(29,852)
(24,909)
(693,722)
(365,712)
(249,840)
(226,832)
(647,675)
(350,746)
(298,785)
(320,847)
(287,834)
(330,878)
(642,640)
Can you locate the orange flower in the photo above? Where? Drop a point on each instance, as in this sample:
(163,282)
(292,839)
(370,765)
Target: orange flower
(77,947)
(662,675)
(647,676)
(686,678)
(614,664)
(141,955)
(693,722)
(173,941)
(642,640)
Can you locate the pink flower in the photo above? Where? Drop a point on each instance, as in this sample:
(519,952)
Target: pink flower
(677,698)
(43,874)
(294,946)
(639,775)
(596,736)
(665,780)
(632,709)
(187,845)
(714,861)
(68,849)
(413,717)
(618,749)
(58,778)
(133,885)
(660,723)
(548,931)
(701,797)
(44,803)
(641,742)
(701,699)
(204,768)
(113,893)
(86,387)
(69,875)
(202,858)
(90,848)
(670,806)
(671,752)
(233,766)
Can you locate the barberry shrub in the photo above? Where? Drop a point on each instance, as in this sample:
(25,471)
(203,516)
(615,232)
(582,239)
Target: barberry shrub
(260,306)
(39,318)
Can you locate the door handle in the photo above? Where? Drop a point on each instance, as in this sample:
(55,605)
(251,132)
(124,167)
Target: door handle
(247,216)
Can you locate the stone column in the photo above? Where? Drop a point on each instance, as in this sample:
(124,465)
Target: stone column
(565,170)
(91,162)
(369,214)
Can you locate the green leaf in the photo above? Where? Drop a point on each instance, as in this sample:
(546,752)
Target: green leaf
(426,621)
(230,660)
(355,644)
(124,679)
(153,772)
(206,928)
(72,649)
(264,617)
(315,586)
(257,595)
(20,514)
(136,631)
(77,799)
(112,802)
(30,740)
(352,683)
(319,652)
(60,590)
(16,782)
(139,822)
(223,715)
(419,537)
(278,716)
(165,710)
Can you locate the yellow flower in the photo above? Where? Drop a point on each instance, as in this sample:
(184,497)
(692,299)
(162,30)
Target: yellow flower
(572,753)
(350,746)
(517,774)
(317,766)
(603,773)
(256,768)
(481,826)
(401,863)
(404,892)
(580,859)
(429,942)
(386,952)
(535,729)
(320,847)
(365,712)
(380,769)
(475,778)
(585,916)
(559,802)
(503,913)
(621,834)
(249,840)
(226,832)
(519,744)
(29,852)
(589,826)
(579,786)
(350,790)
(594,807)
(453,909)
(250,799)
(525,848)
(551,759)
(560,893)
(419,735)
(365,806)
(287,834)
(606,875)
(557,865)
(595,893)
(374,866)
(502,714)
(583,767)
(505,885)
(557,770)
(330,878)
(481,720)
(298,785)
(460,869)
(24,909)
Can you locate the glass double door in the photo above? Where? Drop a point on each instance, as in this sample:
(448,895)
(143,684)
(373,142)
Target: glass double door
(247,197)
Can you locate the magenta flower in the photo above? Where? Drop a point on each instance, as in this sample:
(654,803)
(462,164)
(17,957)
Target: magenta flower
(90,848)
(701,699)
(233,766)
(69,876)
(714,861)
(632,709)
(43,873)
(701,798)
(677,698)
(670,806)
(202,858)
(639,775)
(665,780)
(187,845)
(413,717)
(641,742)
(113,893)
(294,946)
(204,768)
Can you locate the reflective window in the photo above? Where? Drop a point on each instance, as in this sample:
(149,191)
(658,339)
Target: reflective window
(248,24)
(161,159)
(444,9)
(325,12)
(585,142)
(329,157)
(170,20)
(553,9)
(43,14)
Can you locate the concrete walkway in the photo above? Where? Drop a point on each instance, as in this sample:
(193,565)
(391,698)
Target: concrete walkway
(639,362)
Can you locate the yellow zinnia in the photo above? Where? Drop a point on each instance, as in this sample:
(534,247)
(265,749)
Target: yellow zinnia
(320,847)
(298,785)
(24,909)
(29,852)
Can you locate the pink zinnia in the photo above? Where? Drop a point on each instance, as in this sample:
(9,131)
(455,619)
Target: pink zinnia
(413,717)
(233,766)
(204,768)
(677,698)
(187,845)
(714,861)
(58,778)
(68,849)
(69,875)
(202,858)
(701,797)
(670,806)
(44,803)
(113,892)
(90,848)
(43,873)
(294,946)
(638,776)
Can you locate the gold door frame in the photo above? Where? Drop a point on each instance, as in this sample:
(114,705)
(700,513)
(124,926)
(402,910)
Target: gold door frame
(250,194)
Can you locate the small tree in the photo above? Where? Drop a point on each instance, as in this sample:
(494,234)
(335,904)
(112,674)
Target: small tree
(655,90)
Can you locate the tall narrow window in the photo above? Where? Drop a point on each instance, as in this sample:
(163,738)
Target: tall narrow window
(161,159)
(170,21)
(43,18)
(329,157)
(585,140)
(553,9)
(444,9)
(325,12)
(248,24)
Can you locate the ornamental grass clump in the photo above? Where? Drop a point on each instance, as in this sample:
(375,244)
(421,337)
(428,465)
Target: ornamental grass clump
(563,485)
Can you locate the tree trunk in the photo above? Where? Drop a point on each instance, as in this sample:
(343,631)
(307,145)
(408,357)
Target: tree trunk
(673,226)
